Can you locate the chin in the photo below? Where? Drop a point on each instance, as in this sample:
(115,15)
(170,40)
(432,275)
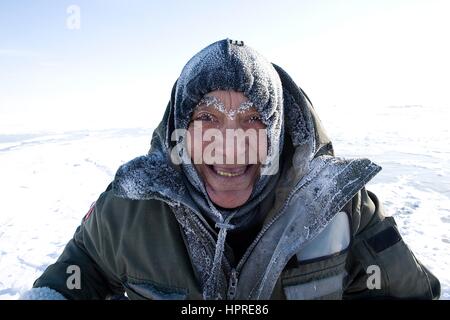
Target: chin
(228,199)
(229,186)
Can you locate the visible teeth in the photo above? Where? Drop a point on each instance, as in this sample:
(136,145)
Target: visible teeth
(227,174)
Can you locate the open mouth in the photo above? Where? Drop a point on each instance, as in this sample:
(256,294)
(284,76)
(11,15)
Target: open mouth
(229,171)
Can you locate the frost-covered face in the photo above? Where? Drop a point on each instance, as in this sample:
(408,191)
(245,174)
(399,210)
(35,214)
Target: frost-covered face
(227,144)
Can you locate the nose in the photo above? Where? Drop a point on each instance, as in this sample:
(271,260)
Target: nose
(235,145)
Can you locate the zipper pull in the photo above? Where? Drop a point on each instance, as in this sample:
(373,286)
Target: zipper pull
(232,285)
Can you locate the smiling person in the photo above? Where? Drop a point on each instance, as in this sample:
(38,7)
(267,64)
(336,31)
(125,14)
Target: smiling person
(224,158)
(239,197)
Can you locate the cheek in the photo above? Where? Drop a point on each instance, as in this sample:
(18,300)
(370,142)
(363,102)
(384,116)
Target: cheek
(262,149)
(258,147)
(196,145)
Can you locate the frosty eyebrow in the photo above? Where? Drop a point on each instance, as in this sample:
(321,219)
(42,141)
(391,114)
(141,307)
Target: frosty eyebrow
(211,101)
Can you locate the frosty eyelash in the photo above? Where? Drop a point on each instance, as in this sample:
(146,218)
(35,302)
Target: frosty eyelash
(254,118)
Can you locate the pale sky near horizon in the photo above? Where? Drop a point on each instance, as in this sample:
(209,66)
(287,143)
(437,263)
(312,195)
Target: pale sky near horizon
(117,69)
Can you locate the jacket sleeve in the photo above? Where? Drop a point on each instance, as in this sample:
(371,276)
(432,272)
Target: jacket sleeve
(380,265)
(82,258)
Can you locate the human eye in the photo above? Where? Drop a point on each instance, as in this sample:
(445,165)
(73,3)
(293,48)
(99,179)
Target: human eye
(254,118)
(205,117)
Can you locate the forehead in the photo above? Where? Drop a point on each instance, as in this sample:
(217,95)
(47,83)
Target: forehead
(228,96)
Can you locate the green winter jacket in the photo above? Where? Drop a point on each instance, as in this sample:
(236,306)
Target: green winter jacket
(324,235)
(136,247)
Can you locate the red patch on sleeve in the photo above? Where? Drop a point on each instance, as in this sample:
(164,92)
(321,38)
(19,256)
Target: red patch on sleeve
(91,209)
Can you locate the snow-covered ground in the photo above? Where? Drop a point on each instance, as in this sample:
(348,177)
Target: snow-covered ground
(49,181)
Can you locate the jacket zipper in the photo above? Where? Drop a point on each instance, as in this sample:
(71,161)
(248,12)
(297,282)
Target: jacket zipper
(266,227)
(234,278)
(232,286)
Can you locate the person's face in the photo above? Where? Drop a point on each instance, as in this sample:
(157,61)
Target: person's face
(227,145)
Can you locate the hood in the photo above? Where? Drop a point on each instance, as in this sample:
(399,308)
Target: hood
(230,65)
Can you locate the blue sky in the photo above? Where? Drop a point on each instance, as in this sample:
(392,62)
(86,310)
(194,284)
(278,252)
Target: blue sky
(118,68)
